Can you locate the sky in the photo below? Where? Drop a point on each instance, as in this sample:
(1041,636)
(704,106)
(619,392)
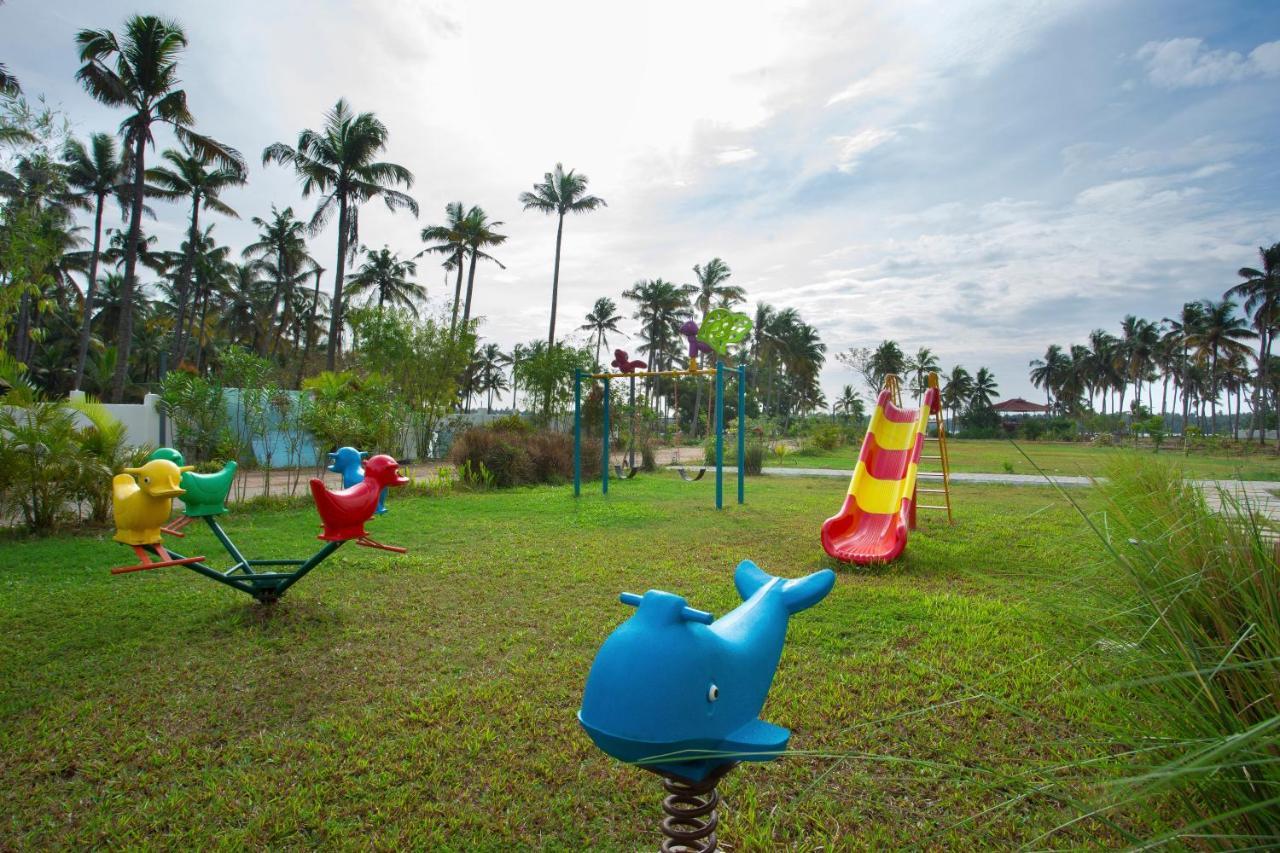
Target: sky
(982,178)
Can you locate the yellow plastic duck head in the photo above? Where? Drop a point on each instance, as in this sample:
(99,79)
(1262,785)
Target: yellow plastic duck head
(160,478)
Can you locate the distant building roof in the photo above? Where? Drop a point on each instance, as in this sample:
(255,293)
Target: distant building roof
(1019,406)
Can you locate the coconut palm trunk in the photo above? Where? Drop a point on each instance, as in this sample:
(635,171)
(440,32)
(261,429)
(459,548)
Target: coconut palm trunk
(335,309)
(310,330)
(457,291)
(90,288)
(471,280)
(184,283)
(555,288)
(124,332)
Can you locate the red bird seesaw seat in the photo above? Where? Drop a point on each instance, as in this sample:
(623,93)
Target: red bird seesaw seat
(344,512)
(880,508)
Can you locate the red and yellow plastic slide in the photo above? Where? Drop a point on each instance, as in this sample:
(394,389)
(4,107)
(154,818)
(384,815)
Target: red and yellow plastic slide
(880,508)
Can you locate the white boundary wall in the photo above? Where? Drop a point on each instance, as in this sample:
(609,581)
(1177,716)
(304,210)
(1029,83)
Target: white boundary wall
(141,420)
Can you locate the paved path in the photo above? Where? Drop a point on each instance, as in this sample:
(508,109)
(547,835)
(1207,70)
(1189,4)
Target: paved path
(1258,494)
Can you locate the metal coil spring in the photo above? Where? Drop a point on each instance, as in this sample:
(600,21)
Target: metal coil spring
(690,824)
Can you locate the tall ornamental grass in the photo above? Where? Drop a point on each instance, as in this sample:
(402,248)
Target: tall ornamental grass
(1197,655)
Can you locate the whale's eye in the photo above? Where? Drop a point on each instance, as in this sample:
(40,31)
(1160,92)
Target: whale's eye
(713,693)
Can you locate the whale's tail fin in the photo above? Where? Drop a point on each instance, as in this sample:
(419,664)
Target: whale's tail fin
(797,594)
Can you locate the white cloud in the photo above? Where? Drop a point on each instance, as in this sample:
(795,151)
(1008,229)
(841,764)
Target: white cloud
(853,148)
(1185,62)
(736,155)
(889,81)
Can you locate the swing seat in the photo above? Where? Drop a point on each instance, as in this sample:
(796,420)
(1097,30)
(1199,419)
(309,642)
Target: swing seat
(684,475)
(625,474)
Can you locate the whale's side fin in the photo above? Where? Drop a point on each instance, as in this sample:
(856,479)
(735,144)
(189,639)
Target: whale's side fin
(797,594)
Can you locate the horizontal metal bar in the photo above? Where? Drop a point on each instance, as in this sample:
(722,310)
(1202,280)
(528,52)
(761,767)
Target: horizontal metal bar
(939,458)
(276,562)
(933,491)
(639,375)
(269,577)
(927,506)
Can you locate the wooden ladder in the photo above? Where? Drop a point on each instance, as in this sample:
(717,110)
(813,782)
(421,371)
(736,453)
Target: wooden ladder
(942,457)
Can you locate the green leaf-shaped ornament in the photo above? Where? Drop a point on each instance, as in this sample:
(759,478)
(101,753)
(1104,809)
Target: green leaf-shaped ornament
(723,329)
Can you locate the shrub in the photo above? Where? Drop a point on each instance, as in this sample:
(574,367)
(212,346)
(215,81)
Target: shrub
(755,452)
(501,454)
(828,437)
(201,425)
(521,458)
(1033,428)
(511,423)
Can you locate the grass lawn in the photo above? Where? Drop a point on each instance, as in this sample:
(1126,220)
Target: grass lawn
(428,701)
(1055,457)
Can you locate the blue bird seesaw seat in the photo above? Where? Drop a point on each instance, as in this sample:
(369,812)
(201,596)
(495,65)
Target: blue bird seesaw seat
(680,692)
(349,462)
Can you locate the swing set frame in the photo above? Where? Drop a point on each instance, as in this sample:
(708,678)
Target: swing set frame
(719,372)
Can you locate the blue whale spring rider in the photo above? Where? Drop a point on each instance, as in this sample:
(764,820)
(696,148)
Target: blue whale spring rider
(349,462)
(680,692)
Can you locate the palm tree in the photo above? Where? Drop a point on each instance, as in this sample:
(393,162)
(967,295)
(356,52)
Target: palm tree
(1220,337)
(660,306)
(957,391)
(849,403)
(1182,330)
(920,366)
(338,163)
(602,319)
(888,358)
(8,83)
(984,389)
(189,176)
(94,173)
(478,234)
(139,72)
(450,240)
(489,361)
(803,354)
(245,315)
(519,353)
(560,192)
(1049,372)
(711,290)
(1102,365)
(385,274)
(281,240)
(1138,342)
(1260,291)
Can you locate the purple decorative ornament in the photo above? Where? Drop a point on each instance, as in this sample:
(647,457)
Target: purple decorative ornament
(696,347)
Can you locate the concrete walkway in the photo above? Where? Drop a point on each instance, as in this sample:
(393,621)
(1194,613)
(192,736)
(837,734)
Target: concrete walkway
(1257,494)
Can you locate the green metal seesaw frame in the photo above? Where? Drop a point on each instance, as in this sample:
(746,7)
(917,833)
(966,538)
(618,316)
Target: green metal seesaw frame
(266,587)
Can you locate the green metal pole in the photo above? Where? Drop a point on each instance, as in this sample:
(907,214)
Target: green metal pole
(241,562)
(719,435)
(316,559)
(577,432)
(604,453)
(742,433)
